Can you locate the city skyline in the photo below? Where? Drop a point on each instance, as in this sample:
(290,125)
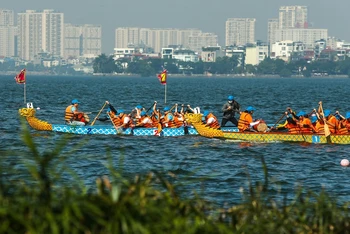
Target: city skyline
(205,15)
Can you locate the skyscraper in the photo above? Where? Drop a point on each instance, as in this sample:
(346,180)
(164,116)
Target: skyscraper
(272,26)
(240,31)
(156,38)
(7,33)
(293,17)
(82,40)
(40,31)
(6,17)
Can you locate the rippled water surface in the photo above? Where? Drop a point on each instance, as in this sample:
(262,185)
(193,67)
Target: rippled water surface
(225,164)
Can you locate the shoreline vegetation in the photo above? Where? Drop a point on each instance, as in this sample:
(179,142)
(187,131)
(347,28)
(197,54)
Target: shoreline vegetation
(34,198)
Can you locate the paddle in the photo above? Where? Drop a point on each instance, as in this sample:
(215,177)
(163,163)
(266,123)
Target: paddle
(326,128)
(284,114)
(93,122)
(151,106)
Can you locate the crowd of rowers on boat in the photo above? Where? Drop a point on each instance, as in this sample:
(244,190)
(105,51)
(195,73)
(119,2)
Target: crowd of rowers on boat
(174,117)
(153,117)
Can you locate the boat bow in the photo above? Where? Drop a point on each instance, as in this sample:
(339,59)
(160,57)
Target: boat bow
(35,123)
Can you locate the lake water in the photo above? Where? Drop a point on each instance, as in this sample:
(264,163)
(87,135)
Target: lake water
(224,164)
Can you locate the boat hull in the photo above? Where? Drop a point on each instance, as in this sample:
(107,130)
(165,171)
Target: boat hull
(267,137)
(40,125)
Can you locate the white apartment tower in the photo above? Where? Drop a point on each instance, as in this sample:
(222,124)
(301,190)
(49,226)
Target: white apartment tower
(308,36)
(6,17)
(293,17)
(82,40)
(40,31)
(156,38)
(7,33)
(197,42)
(125,37)
(240,31)
(272,26)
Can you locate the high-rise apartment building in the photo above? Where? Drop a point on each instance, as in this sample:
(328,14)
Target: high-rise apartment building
(272,26)
(6,17)
(82,40)
(240,31)
(7,41)
(125,37)
(40,31)
(293,17)
(156,38)
(7,33)
(308,36)
(197,42)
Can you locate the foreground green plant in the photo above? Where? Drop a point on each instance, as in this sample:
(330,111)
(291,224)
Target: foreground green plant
(149,203)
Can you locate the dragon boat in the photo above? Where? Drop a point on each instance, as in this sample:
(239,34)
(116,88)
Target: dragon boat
(267,137)
(40,125)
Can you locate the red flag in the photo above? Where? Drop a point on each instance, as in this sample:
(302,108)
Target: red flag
(162,77)
(21,77)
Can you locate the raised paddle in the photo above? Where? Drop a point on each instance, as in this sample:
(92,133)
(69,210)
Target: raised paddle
(326,128)
(151,106)
(93,122)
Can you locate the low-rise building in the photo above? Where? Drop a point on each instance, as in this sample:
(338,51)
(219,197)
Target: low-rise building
(211,53)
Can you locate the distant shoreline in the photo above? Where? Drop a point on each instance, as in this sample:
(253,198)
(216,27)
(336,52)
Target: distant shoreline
(10,73)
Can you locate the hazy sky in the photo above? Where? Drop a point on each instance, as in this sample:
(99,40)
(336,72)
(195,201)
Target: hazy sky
(207,15)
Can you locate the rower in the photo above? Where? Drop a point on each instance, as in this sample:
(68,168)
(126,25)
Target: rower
(73,116)
(210,120)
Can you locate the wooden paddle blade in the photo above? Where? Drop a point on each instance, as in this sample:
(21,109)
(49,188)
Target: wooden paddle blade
(326,130)
(160,127)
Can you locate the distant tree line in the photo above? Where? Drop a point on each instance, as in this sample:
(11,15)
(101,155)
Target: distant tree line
(145,66)
(222,65)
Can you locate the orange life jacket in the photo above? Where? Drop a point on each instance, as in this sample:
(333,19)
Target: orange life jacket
(332,124)
(117,121)
(146,125)
(129,124)
(342,128)
(167,123)
(178,121)
(306,126)
(244,121)
(215,124)
(319,127)
(69,116)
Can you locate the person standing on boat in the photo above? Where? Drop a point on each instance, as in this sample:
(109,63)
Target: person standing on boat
(211,120)
(229,109)
(73,116)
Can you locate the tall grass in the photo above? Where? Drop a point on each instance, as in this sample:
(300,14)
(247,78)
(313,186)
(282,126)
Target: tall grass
(42,203)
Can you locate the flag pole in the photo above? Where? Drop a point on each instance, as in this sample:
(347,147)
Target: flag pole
(24,91)
(165,93)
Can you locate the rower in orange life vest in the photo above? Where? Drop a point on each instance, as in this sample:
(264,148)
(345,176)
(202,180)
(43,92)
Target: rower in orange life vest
(122,119)
(304,123)
(210,120)
(144,120)
(179,117)
(344,123)
(73,116)
(167,119)
(246,119)
(331,121)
